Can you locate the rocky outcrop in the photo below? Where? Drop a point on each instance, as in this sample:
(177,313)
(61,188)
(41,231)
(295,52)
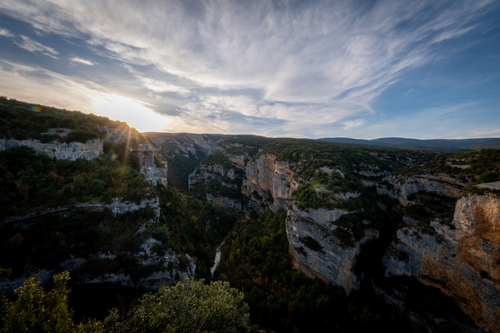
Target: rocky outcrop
(170,272)
(239,161)
(266,175)
(224,202)
(205,173)
(401,187)
(317,251)
(152,173)
(117,207)
(462,261)
(73,150)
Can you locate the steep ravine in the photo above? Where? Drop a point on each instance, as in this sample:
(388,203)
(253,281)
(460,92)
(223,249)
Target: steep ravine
(269,184)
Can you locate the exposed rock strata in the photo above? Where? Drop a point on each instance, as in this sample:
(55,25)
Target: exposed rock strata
(266,175)
(152,173)
(73,150)
(403,187)
(224,202)
(463,262)
(332,263)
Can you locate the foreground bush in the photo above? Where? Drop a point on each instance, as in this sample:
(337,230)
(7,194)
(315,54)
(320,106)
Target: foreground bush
(189,306)
(37,311)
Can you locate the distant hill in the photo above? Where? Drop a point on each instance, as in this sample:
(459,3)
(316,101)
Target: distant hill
(494,143)
(467,144)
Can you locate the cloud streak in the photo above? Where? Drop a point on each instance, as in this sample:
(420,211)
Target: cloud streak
(82,61)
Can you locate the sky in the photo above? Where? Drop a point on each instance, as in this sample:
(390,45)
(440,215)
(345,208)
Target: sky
(356,68)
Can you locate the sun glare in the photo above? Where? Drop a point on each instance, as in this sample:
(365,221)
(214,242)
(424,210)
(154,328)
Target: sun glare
(134,113)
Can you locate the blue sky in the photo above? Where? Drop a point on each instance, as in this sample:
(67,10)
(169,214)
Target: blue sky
(362,69)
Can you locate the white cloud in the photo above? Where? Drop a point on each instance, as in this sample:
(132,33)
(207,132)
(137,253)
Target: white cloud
(162,86)
(34,46)
(82,61)
(353,123)
(5,33)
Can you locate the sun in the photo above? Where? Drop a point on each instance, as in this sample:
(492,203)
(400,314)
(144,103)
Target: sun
(134,113)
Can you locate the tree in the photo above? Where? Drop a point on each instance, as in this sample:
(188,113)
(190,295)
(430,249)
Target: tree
(37,311)
(189,306)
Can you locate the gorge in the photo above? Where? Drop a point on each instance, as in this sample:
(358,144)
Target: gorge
(148,210)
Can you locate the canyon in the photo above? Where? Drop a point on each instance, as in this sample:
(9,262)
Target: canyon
(327,227)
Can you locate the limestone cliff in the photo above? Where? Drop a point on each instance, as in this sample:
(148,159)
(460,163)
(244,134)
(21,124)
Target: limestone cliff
(73,150)
(268,180)
(116,207)
(317,251)
(152,173)
(400,187)
(224,202)
(462,261)
(93,149)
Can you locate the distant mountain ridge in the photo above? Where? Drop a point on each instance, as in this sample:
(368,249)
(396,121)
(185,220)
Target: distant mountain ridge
(471,144)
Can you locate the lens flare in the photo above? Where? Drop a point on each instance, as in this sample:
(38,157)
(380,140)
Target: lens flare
(113,157)
(35,108)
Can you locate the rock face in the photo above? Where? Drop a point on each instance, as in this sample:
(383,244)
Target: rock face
(314,247)
(205,173)
(328,260)
(152,173)
(73,150)
(269,184)
(117,207)
(402,187)
(224,202)
(464,263)
(266,176)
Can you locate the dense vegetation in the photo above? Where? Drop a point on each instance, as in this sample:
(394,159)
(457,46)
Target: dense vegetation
(190,306)
(30,182)
(53,238)
(179,165)
(256,261)
(20,121)
(195,227)
(428,206)
(480,166)
(218,158)
(38,311)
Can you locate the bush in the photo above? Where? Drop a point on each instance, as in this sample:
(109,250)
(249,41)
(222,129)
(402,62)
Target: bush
(37,311)
(189,306)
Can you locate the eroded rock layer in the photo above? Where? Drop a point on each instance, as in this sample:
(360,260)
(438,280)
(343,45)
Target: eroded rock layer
(463,261)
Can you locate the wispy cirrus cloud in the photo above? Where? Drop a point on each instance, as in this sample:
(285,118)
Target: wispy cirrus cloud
(5,33)
(302,66)
(34,46)
(82,61)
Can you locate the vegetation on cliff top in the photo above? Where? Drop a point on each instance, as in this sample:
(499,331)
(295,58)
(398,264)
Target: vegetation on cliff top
(21,121)
(30,182)
(476,167)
